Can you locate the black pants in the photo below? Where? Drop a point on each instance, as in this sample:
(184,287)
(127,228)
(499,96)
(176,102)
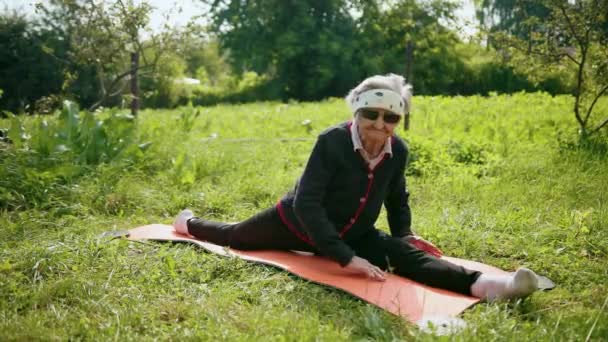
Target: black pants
(266,231)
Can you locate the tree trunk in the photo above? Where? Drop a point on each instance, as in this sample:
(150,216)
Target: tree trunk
(134,83)
(409,61)
(409,69)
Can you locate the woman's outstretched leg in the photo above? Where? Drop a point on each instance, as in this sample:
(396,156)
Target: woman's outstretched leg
(427,269)
(264,230)
(408,261)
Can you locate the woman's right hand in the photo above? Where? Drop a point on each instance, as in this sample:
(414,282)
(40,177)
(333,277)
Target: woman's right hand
(359,265)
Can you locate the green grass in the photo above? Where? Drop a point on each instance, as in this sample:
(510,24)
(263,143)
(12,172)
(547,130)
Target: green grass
(493,179)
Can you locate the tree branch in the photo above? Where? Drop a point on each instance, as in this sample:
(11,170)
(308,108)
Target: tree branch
(105,95)
(140,49)
(100,75)
(580,74)
(600,126)
(571,58)
(562,8)
(597,97)
(539,53)
(119,89)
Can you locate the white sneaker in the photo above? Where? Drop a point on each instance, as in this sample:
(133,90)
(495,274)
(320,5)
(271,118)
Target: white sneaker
(180,221)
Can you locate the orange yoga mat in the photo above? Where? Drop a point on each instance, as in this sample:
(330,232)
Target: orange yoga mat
(413,301)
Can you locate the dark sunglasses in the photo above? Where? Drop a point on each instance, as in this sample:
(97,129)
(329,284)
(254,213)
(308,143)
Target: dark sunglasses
(373,114)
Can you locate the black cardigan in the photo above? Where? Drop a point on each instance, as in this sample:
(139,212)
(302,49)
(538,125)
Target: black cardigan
(338,198)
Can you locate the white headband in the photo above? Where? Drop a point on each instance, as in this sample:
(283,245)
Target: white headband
(378,98)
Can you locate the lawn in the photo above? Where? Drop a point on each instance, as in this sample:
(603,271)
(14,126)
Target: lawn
(497,179)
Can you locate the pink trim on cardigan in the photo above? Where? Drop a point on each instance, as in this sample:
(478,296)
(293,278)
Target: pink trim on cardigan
(291,226)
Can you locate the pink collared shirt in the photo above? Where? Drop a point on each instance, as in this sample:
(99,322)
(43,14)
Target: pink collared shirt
(358,146)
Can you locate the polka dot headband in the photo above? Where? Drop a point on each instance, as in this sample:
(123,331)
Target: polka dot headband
(378,98)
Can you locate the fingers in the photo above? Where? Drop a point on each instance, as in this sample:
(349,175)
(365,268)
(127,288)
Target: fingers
(427,247)
(431,249)
(419,244)
(434,250)
(416,243)
(361,266)
(437,252)
(375,273)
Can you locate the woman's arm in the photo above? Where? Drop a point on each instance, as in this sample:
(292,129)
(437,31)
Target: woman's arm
(397,207)
(400,215)
(308,203)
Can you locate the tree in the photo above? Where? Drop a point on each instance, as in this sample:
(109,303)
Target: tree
(31,62)
(109,36)
(509,15)
(386,34)
(306,45)
(574,36)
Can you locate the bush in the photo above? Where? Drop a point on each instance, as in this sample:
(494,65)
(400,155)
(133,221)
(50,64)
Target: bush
(250,87)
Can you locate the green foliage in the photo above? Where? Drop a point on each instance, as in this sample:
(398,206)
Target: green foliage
(104,36)
(485,71)
(307,47)
(52,152)
(248,88)
(83,135)
(497,179)
(30,62)
(199,57)
(188,117)
(567,37)
(161,89)
(509,15)
(312,51)
(437,68)
(204,59)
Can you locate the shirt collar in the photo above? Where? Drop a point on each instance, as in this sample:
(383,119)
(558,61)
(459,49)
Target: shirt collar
(354,134)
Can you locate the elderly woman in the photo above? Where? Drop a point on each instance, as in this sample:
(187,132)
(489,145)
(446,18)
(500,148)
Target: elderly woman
(353,169)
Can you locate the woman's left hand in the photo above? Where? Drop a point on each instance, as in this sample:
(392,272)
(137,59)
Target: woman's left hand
(424,245)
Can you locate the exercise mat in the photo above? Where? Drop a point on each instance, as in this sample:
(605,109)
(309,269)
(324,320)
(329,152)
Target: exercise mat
(413,301)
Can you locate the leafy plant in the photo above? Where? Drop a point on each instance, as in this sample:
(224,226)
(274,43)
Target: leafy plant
(84,136)
(467,153)
(49,152)
(187,117)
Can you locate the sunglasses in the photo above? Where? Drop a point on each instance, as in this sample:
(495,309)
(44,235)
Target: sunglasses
(373,114)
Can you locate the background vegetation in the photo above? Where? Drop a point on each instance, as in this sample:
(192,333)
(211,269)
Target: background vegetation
(304,50)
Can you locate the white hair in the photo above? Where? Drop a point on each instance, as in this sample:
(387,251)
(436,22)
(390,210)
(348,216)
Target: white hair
(392,82)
